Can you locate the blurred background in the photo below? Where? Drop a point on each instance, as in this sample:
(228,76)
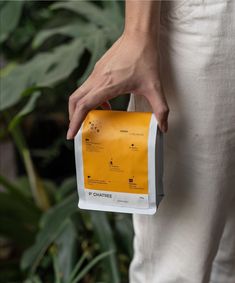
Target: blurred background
(48,48)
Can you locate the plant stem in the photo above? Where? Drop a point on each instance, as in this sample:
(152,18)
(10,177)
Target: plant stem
(37,188)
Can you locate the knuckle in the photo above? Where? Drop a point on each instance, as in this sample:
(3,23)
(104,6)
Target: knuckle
(82,87)
(153,86)
(166,109)
(108,79)
(97,64)
(103,73)
(95,72)
(83,106)
(72,99)
(163,111)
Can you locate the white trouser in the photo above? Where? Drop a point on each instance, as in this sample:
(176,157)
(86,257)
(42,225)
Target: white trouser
(191,238)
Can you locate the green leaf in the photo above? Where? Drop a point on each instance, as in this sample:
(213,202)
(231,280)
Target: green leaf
(13,85)
(38,190)
(62,62)
(98,16)
(125,233)
(19,221)
(19,195)
(29,107)
(105,238)
(16,231)
(115,11)
(87,268)
(11,206)
(33,279)
(10,13)
(57,274)
(76,29)
(86,9)
(7,69)
(66,244)
(52,225)
(44,70)
(77,267)
(68,186)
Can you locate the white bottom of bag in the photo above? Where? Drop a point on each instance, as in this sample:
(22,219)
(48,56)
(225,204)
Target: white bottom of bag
(94,206)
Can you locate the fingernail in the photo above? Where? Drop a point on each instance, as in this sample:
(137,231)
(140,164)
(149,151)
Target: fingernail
(69,135)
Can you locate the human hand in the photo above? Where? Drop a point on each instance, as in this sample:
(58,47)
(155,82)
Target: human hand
(129,66)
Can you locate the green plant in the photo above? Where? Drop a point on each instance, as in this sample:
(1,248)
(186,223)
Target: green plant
(90,28)
(64,233)
(47,54)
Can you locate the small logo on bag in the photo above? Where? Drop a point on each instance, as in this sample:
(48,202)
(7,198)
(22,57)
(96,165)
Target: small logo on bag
(95,126)
(100,195)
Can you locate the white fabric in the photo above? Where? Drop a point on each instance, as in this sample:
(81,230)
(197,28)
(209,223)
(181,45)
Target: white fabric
(194,228)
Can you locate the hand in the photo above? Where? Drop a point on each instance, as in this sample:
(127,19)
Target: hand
(129,66)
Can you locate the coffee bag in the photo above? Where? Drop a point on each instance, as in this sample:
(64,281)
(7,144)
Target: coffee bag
(119,162)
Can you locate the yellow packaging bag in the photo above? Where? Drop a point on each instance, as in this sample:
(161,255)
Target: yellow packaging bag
(119,162)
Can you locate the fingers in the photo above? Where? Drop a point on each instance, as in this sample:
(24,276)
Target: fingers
(78,94)
(160,109)
(83,106)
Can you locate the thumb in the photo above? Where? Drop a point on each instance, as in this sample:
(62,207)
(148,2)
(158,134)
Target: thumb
(160,108)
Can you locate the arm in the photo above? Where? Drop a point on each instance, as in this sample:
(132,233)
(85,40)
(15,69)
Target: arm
(143,17)
(129,66)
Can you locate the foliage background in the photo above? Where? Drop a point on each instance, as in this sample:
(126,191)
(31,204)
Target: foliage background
(48,48)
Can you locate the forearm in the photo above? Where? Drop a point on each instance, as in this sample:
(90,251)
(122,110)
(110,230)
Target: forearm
(142,17)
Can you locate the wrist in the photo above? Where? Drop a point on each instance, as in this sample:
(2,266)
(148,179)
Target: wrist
(142,33)
(149,13)
(142,37)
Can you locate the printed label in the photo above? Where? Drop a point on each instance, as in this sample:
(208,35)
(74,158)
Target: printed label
(115,152)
